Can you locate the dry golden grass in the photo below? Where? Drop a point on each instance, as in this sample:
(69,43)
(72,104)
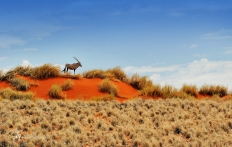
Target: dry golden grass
(23,70)
(56,92)
(190,90)
(170,122)
(19,84)
(140,82)
(1,75)
(116,73)
(46,71)
(68,84)
(107,86)
(213,90)
(95,73)
(10,94)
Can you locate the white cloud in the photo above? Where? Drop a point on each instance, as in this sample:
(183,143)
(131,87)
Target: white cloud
(198,72)
(7,41)
(219,35)
(193,46)
(228,51)
(26,63)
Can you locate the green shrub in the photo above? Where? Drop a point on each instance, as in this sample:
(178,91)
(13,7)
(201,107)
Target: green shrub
(68,84)
(107,86)
(56,92)
(13,95)
(19,84)
(45,71)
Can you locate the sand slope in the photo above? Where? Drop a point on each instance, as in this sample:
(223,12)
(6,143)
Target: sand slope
(83,88)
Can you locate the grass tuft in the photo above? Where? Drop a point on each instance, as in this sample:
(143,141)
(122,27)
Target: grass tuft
(13,95)
(213,90)
(95,73)
(117,73)
(19,84)
(23,70)
(191,90)
(46,71)
(56,92)
(107,86)
(68,84)
(139,82)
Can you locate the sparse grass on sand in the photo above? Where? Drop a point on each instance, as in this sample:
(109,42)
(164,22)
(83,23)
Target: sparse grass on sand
(68,84)
(19,84)
(10,94)
(56,92)
(107,86)
(137,122)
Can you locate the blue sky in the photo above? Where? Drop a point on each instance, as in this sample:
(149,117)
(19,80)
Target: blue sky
(172,41)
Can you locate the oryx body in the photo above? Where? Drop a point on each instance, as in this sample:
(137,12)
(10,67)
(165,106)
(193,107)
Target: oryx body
(73,66)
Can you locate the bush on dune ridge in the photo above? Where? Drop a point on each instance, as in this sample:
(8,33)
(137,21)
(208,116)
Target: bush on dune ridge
(213,90)
(46,71)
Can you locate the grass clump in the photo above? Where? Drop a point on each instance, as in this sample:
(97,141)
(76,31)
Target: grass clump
(117,73)
(23,70)
(13,95)
(68,84)
(213,90)
(151,91)
(139,82)
(95,73)
(56,92)
(19,84)
(107,86)
(46,71)
(190,90)
(1,75)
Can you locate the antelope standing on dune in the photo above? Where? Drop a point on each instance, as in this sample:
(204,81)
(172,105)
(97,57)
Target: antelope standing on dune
(73,66)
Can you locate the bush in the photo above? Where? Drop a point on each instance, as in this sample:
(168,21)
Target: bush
(95,73)
(46,71)
(139,82)
(56,92)
(13,95)
(213,90)
(23,70)
(19,84)
(68,84)
(1,75)
(117,73)
(107,86)
(152,91)
(190,90)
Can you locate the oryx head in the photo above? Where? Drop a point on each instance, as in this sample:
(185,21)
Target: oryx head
(78,61)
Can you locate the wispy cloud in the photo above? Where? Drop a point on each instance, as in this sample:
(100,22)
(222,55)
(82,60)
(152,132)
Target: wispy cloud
(198,72)
(193,46)
(228,50)
(29,49)
(219,35)
(7,41)
(2,58)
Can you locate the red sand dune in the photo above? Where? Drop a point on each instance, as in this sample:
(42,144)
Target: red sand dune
(83,88)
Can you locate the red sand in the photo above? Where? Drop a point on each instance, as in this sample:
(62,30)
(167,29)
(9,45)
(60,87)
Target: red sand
(83,88)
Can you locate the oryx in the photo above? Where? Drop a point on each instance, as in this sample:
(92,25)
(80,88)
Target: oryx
(73,66)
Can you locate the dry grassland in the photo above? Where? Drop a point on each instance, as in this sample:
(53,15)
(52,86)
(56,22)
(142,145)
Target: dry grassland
(170,122)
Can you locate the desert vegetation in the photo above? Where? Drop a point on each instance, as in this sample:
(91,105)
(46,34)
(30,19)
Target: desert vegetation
(163,116)
(137,122)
